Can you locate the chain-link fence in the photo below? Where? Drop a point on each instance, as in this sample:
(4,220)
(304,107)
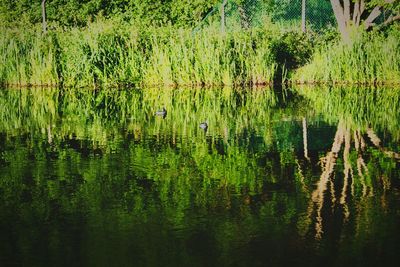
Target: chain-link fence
(243,14)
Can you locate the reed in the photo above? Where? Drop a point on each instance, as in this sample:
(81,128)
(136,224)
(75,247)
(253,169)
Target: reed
(27,58)
(373,58)
(109,53)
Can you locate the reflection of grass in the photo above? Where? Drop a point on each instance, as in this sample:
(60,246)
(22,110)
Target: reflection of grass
(360,106)
(91,152)
(97,115)
(109,153)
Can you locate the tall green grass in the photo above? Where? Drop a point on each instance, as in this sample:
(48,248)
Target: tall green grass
(109,53)
(112,53)
(27,57)
(373,58)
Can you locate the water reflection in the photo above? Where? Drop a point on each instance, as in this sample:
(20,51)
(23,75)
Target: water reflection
(275,177)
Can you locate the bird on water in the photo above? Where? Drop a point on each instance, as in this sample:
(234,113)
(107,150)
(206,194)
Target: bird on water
(162,112)
(204,125)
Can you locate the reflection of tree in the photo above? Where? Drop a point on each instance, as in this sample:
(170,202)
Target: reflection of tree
(305,141)
(354,184)
(343,138)
(377,143)
(240,177)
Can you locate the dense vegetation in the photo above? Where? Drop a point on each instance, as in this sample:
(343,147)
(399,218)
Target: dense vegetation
(113,53)
(100,43)
(181,13)
(374,57)
(79,13)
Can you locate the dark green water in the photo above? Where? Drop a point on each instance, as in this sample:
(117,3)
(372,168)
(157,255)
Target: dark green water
(306,176)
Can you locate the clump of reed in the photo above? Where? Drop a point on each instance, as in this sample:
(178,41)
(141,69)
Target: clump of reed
(110,53)
(373,58)
(27,57)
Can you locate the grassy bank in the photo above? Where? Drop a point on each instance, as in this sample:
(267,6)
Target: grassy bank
(114,53)
(110,53)
(373,58)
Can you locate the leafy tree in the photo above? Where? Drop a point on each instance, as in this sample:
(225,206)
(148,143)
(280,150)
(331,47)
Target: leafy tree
(79,12)
(355,13)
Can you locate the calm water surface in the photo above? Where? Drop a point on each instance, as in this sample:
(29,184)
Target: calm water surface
(305,176)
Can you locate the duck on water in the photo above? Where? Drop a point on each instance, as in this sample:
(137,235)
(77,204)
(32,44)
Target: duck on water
(204,125)
(162,112)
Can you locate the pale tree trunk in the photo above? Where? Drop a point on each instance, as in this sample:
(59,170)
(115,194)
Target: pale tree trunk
(348,172)
(359,8)
(348,14)
(338,10)
(377,143)
(49,134)
(376,12)
(44,23)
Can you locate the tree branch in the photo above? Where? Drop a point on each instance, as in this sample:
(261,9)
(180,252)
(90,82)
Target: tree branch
(362,9)
(391,19)
(356,11)
(377,143)
(372,16)
(346,11)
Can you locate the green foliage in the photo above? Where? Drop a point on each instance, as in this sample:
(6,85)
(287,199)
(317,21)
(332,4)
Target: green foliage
(79,13)
(293,49)
(373,58)
(95,115)
(390,5)
(111,52)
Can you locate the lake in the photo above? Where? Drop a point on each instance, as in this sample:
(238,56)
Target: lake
(285,176)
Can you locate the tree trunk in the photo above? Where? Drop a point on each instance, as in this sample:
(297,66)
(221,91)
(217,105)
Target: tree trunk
(348,14)
(44,23)
(338,10)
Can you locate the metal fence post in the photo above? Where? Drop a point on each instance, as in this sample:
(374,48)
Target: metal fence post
(303,16)
(44,23)
(223,15)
